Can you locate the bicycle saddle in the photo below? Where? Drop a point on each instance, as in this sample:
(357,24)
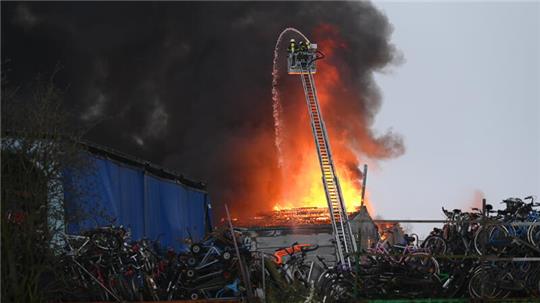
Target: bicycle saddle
(409,239)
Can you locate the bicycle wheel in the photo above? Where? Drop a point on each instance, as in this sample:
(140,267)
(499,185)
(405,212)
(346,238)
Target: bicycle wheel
(422,262)
(195,248)
(191,261)
(484,283)
(301,274)
(340,290)
(455,284)
(324,279)
(533,234)
(435,244)
(533,281)
(194,295)
(493,239)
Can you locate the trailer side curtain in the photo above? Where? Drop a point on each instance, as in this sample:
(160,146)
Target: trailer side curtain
(149,206)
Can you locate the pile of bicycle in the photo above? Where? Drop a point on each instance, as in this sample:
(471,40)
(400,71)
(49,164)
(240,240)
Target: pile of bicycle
(485,253)
(103,264)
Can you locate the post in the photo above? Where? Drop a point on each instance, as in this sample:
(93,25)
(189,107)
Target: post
(364,185)
(263,279)
(240,261)
(357,264)
(484,207)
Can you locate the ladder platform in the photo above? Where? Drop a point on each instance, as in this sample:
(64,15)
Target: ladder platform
(301,58)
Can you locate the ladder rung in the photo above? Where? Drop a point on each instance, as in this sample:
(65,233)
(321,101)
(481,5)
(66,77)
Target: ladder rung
(334,200)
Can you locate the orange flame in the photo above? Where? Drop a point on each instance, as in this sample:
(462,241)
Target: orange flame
(301,174)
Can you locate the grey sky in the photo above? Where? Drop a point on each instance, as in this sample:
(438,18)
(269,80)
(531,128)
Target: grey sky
(466,100)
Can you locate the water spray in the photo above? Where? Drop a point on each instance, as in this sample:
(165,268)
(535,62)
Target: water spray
(276,104)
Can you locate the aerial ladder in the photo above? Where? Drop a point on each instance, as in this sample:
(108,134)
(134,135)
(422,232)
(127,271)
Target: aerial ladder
(301,61)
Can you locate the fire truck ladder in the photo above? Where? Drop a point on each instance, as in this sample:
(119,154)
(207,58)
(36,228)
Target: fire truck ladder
(343,234)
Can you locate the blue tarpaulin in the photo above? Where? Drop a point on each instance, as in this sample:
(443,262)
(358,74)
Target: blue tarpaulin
(150,206)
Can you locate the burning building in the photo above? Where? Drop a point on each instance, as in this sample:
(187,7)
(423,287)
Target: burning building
(301,61)
(268,236)
(295,216)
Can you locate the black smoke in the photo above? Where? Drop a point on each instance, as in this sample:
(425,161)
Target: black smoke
(186,85)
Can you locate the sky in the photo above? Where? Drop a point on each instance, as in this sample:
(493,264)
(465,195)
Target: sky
(467,101)
(441,99)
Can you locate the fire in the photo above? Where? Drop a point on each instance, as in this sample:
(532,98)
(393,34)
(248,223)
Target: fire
(301,174)
(287,182)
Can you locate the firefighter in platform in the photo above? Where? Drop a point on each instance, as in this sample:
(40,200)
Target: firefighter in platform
(292,46)
(292,51)
(301,50)
(302,46)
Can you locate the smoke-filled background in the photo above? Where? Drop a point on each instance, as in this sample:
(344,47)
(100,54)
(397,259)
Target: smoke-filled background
(188,86)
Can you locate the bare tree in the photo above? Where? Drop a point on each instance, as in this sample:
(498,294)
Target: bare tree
(38,145)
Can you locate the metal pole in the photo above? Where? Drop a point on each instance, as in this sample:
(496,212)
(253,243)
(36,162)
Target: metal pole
(409,221)
(357,264)
(263,279)
(242,269)
(446,221)
(364,185)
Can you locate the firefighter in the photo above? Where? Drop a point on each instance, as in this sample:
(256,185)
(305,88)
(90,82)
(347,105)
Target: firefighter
(302,46)
(292,46)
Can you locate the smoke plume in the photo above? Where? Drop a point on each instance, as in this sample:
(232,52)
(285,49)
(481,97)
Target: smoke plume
(188,85)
